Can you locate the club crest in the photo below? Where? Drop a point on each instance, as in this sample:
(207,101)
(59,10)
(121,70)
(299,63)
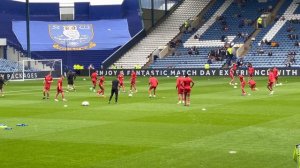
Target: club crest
(72,36)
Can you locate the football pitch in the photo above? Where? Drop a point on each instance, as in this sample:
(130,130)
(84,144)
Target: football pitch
(220,129)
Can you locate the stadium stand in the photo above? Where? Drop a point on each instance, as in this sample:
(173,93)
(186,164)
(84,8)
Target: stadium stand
(285,32)
(84,11)
(9,66)
(229,22)
(162,34)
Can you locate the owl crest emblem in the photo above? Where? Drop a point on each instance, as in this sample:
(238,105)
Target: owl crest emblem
(72,36)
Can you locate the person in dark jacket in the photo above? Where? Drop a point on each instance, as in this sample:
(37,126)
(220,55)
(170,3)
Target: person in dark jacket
(114,90)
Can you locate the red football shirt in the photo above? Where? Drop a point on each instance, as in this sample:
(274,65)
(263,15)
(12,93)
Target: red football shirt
(231,72)
(234,66)
(275,72)
(133,75)
(121,78)
(187,82)
(94,76)
(101,80)
(179,81)
(271,77)
(241,78)
(252,82)
(250,70)
(59,84)
(48,79)
(153,81)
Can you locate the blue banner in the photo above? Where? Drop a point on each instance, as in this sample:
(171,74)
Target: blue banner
(73,36)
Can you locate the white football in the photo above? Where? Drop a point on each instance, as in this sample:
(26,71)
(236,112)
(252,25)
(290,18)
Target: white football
(235,87)
(85,103)
(130,95)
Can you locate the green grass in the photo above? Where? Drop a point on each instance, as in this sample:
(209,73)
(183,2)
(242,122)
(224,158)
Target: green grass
(151,132)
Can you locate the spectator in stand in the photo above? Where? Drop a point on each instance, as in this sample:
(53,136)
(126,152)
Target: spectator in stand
(259,23)
(190,51)
(197,36)
(270,53)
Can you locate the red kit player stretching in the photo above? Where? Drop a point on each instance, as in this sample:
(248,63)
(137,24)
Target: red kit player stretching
(188,84)
(153,82)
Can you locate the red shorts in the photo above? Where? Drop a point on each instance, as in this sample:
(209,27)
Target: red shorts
(101,86)
(243,84)
(47,87)
(180,90)
(270,84)
(94,83)
(121,84)
(251,75)
(132,82)
(187,90)
(59,90)
(276,78)
(152,87)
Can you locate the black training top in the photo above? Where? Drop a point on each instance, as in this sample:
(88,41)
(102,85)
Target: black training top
(1,82)
(115,84)
(71,76)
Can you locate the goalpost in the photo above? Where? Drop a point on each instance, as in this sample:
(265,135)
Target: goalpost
(36,69)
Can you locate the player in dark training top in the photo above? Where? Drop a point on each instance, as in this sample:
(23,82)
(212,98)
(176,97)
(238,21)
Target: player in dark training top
(114,90)
(71,77)
(2,82)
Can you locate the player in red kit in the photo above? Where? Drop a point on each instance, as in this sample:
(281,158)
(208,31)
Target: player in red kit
(250,71)
(180,89)
(60,89)
(187,84)
(153,82)
(133,82)
(252,84)
(231,75)
(243,84)
(121,81)
(47,84)
(275,72)
(94,77)
(271,81)
(101,86)
(234,66)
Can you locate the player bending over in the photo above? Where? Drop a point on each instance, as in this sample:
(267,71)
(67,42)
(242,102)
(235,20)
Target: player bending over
(2,82)
(59,89)
(188,84)
(252,84)
(243,84)
(133,82)
(71,77)
(94,80)
(180,89)
(47,84)
(271,81)
(114,90)
(153,82)
(101,86)
(121,81)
